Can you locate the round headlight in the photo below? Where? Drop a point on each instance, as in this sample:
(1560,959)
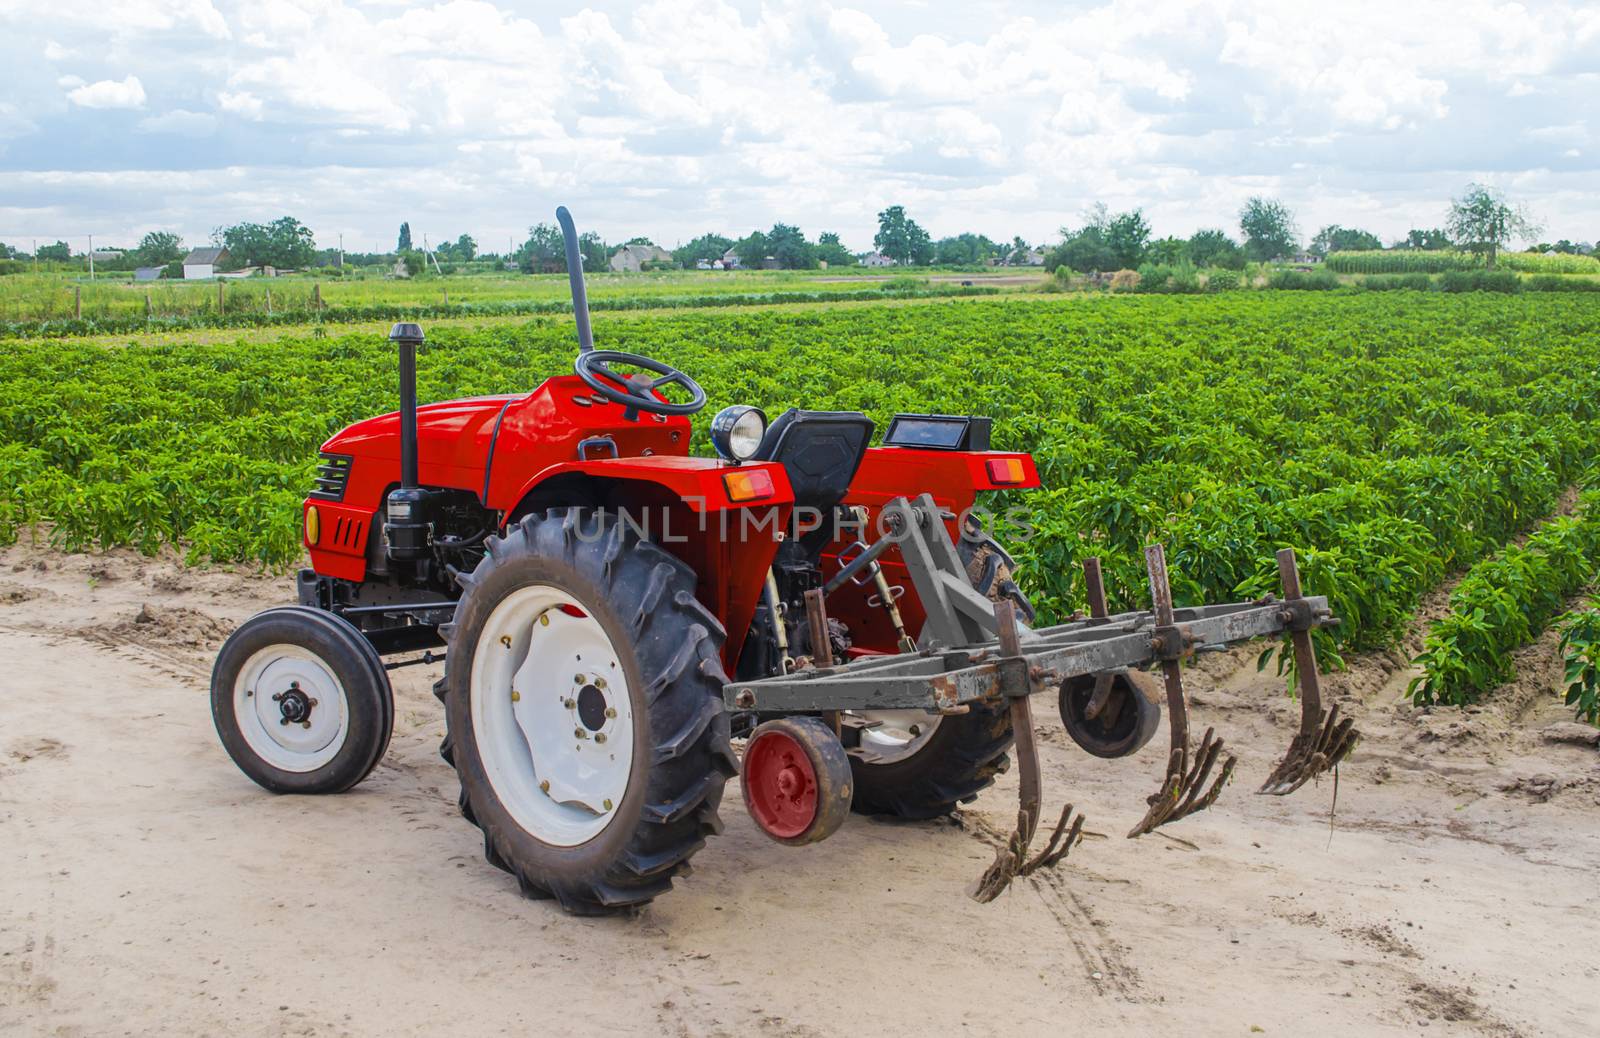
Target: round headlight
(736,431)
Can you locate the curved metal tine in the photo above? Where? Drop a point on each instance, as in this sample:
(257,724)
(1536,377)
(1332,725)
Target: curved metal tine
(1323,740)
(1011,860)
(1183,791)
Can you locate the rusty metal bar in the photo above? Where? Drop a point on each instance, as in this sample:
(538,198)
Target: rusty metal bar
(1094,587)
(817,623)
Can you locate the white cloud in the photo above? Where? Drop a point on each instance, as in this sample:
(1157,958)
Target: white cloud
(180,122)
(674,117)
(109,93)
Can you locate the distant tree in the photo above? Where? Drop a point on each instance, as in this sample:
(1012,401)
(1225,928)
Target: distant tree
(964,250)
(158,248)
(285,243)
(1213,248)
(465,248)
(752,250)
(831,250)
(596,257)
(901,239)
(1167,250)
(1012,252)
(1565,247)
(1434,239)
(7,252)
(1334,238)
(1482,221)
(1126,235)
(708,248)
(1269,229)
(404,244)
(60,252)
(790,248)
(543,252)
(1084,249)
(641,240)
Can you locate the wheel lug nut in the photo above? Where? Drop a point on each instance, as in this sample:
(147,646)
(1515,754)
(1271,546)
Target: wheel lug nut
(599,682)
(611,711)
(577,679)
(569,703)
(599,736)
(516,697)
(579,733)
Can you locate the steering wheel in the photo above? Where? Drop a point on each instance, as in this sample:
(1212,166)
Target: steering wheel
(593,366)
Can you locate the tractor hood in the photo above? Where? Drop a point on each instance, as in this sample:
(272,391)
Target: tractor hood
(452,439)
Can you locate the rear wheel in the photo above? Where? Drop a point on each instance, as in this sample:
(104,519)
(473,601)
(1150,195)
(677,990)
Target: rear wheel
(301,701)
(582,695)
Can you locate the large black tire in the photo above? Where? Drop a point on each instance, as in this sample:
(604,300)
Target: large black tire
(669,646)
(354,664)
(965,753)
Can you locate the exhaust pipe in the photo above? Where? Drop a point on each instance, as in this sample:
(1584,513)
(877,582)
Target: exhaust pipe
(580,297)
(408,337)
(406,510)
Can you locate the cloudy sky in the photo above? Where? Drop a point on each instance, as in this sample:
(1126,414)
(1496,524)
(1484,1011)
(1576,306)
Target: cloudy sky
(681,116)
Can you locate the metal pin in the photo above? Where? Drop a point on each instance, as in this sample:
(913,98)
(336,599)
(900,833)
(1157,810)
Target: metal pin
(544,786)
(505,639)
(606,804)
(544,619)
(516,697)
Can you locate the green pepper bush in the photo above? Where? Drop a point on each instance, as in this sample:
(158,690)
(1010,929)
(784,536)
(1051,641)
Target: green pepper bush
(1389,437)
(1504,602)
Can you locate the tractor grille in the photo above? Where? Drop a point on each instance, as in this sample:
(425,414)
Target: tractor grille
(347,534)
(333,472)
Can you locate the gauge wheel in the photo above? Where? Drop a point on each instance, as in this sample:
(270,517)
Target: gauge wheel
(583,701)
(301,701)
(1126,721)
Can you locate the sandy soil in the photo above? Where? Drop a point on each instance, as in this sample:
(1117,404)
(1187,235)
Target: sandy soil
(146,886)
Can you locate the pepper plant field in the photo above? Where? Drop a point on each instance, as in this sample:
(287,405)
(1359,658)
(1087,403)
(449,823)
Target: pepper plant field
(1392,438)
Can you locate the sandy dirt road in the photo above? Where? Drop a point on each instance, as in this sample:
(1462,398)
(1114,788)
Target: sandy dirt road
(147,887)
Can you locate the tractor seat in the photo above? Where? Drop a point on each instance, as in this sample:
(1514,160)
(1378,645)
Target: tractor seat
(820,451)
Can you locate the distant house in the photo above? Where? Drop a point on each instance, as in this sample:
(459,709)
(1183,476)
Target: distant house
(149,273)
(876,259)
(730,260)
(1031,258)
(204,263)
(633,258)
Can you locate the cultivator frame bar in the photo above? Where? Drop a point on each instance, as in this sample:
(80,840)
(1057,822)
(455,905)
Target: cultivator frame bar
(973,649)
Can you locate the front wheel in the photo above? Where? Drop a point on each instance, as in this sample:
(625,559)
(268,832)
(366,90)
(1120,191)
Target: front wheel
(583,700)
(301,701)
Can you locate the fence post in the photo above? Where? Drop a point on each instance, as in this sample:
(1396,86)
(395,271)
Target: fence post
(269,302)
(316,295)
(219,297)
(447,299)
(77,301)
(147,306)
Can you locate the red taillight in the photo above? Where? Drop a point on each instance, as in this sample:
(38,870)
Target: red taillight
(1006,471)
(748,484)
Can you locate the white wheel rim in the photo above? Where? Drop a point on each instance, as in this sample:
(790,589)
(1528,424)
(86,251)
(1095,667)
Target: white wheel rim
(896,735)
(291,709)
(551,715)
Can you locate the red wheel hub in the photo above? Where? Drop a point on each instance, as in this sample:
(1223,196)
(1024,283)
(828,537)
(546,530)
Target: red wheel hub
(780,785)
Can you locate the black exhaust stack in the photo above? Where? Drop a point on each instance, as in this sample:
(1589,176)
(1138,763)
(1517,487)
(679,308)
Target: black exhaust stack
(407,523)
(580,297)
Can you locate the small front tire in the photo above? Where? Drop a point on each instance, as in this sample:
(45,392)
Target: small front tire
(301,701)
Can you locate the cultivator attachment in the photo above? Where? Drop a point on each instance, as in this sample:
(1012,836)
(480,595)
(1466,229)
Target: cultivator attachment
(972,649)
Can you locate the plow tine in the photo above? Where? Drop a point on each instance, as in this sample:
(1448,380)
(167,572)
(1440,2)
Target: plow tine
(1323,740)
(1183,791)
(1011,860)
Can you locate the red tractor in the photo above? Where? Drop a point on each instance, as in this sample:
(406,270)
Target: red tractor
(615,611)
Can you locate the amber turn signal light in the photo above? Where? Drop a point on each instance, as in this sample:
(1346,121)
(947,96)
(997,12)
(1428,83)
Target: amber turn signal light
(748,484)
(1006,471)
(313,525)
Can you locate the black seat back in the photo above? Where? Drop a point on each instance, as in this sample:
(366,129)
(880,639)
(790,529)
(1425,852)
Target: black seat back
(820,451)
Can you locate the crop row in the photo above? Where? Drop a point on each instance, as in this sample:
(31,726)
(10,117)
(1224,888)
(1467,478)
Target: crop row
(258,314)
(1504,602)
(1412,261)
(1390,439)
